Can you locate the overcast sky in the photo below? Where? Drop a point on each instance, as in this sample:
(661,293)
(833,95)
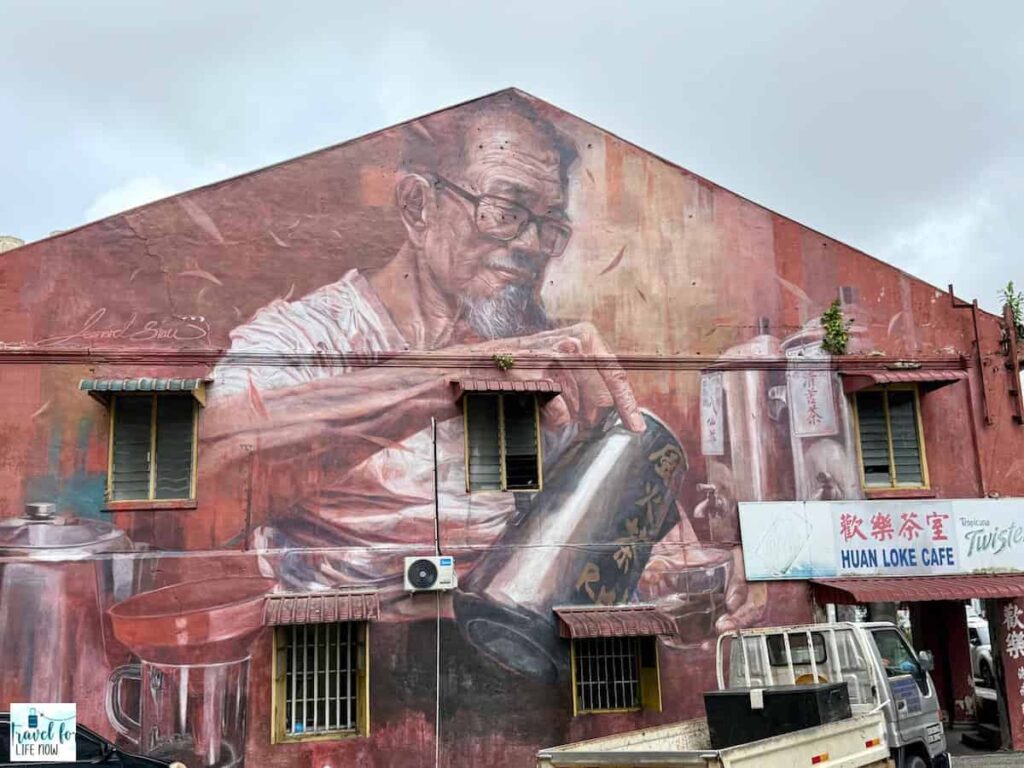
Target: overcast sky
(897,127)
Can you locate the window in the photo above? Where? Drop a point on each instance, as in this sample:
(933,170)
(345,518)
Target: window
(152,447)
(797,649)
(898,658)
(320,681)
(615,674)
(502,442)
(891,444)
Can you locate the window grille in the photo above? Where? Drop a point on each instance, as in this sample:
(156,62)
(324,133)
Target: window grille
(152,447)
(503,442)
(891,449)
(323,677)
(607,673)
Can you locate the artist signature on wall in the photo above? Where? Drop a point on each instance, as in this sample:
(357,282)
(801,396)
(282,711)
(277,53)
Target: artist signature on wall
(174,329)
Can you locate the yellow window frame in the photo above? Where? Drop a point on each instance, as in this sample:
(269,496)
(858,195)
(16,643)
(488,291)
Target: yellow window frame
(151,495)
(893,485)
(650,684)
(279,691)
(501,443)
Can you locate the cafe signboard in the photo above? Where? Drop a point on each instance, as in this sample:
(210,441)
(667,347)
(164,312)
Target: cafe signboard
(821,539)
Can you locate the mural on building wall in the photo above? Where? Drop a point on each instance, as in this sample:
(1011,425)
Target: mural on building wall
(318,460)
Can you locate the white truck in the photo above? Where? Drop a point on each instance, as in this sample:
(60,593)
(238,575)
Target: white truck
(895,711)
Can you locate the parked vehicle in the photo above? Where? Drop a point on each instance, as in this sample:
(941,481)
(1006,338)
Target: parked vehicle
(981,652)
(91,748)
(895,711)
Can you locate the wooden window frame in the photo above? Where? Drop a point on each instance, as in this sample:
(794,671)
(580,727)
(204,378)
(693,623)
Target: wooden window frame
(893,485)
(151,496)
(650,683)
(279,693)
(501,444)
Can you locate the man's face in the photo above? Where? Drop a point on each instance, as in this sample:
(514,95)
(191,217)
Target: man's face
(496,281)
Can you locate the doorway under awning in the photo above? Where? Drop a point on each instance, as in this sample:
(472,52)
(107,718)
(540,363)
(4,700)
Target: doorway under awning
(912,589)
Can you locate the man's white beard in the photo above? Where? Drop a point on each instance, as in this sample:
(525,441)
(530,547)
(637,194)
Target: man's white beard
(515,311)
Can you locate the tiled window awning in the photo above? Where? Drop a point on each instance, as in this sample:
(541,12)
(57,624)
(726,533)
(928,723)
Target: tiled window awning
(321,607)
(638,620)
(538,386)
(855,380)
(103,388)
(911,589)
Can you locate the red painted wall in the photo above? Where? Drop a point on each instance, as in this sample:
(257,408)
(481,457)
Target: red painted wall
(316,434)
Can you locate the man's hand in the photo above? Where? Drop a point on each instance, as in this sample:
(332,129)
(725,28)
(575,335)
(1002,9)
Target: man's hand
(664,582)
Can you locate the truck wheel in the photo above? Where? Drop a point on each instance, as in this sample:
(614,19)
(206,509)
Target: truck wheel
(914,761)
(987,679)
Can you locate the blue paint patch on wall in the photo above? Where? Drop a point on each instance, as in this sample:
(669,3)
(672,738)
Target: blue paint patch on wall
(81,494)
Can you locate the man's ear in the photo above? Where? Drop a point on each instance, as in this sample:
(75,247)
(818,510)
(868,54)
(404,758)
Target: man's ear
(415,197)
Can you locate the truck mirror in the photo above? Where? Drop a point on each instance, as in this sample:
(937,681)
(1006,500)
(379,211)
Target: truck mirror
(926,660)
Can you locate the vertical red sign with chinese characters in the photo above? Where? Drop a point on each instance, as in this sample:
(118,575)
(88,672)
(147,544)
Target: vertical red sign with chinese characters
(1011,648)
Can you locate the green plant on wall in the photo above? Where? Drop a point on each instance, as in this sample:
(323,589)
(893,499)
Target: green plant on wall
(1015,299)
(504,361)
(837,334)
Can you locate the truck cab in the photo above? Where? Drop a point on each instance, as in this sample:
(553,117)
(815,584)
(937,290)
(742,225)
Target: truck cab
(876,661)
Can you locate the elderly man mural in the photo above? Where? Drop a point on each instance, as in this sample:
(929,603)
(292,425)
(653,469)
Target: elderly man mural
(347,443)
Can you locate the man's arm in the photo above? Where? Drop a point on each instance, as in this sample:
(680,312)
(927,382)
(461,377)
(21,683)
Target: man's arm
(321,428)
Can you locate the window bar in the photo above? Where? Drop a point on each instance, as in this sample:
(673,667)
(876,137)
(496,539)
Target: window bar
(327,677)
(315,673)
(337,676)
(606,693)
(305,676)
(632,660)
(836,667)
(768,665)
(595,691)
(588,673)
(586,665)
(634,673)
(789,658)
(295,672)
(811,654)
(629,651)
(746,658)
(348,674)
(614,679)
(619,679)
(592,663)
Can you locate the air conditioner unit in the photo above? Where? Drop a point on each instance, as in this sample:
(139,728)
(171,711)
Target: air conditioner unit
(430,574)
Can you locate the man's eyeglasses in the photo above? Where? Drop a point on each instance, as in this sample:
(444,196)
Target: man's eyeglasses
(505,220)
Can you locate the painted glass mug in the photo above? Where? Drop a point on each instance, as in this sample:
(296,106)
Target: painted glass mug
(189,712)
(193,641)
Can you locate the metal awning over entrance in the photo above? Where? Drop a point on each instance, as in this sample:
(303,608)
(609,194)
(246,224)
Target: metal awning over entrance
(913,589)
(637,620)
(498,386)
(102,389)
(856,379)
(321,607)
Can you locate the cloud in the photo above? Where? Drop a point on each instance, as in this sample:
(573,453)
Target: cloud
(130,194)
(941,237)
(968,237)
